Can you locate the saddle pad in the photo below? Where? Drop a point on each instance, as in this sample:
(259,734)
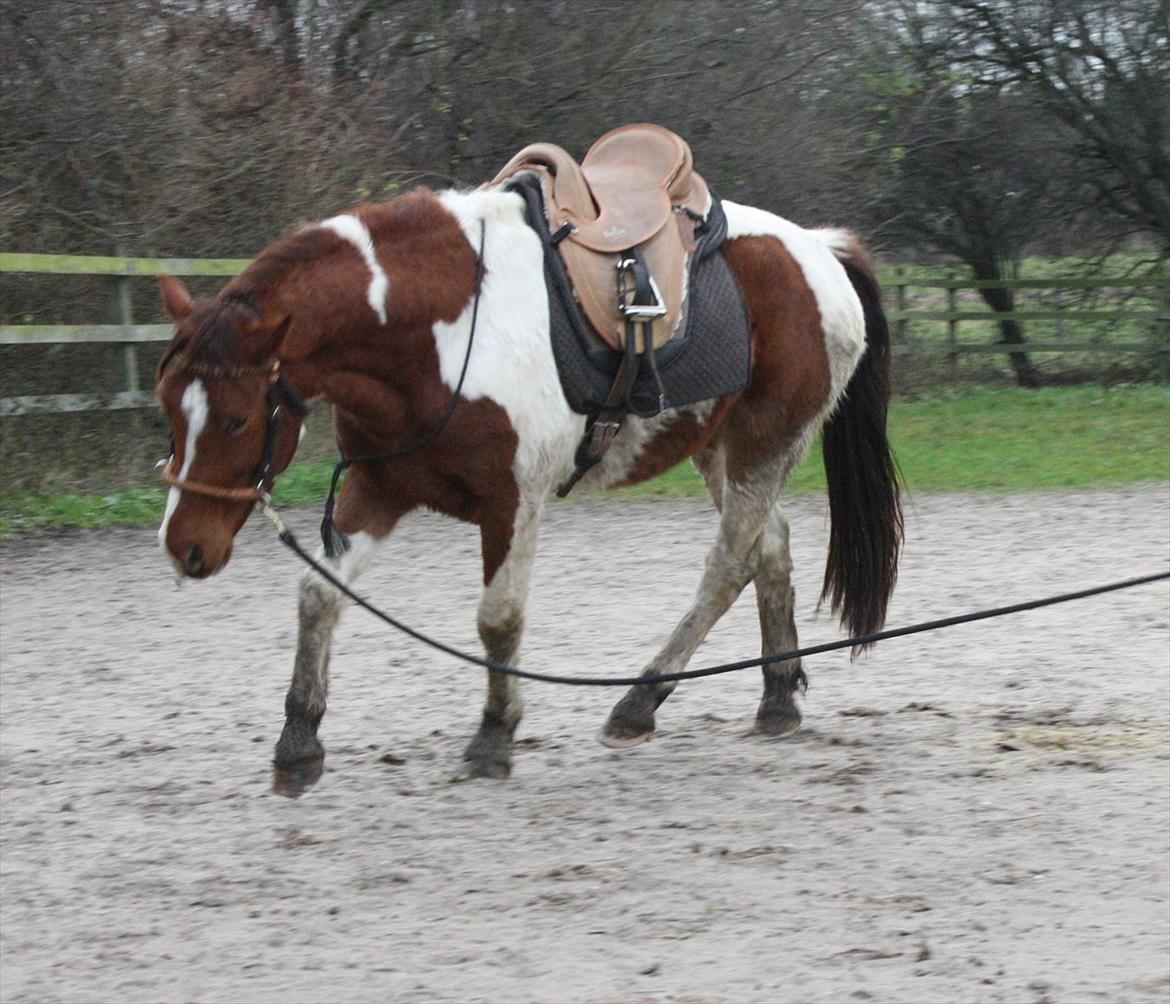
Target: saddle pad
(709,357)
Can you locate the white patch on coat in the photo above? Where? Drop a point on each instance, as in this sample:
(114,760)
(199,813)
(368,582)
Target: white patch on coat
(817,253)
(195,410)
(348,565)
(511,359)
(840,242)
(350,228)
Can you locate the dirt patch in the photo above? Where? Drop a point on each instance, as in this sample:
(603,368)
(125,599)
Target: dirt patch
(981,814)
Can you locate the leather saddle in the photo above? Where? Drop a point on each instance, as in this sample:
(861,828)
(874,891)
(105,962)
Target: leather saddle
(623,220)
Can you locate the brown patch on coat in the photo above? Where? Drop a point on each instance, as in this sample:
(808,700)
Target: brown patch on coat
(385,379)
(683,437)
(790,381)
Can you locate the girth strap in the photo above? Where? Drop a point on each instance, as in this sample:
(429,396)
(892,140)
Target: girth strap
(641,305)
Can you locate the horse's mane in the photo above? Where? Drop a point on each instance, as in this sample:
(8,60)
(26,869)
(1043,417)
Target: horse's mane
(215,339)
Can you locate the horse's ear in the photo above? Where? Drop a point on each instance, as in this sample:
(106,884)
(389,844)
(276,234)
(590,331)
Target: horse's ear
(176,300)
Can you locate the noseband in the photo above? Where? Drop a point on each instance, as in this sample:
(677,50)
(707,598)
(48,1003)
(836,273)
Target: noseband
(278,385)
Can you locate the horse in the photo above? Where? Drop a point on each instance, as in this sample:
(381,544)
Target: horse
(372,312)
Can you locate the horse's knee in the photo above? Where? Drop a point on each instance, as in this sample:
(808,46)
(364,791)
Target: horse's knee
(500,629)
(318,604)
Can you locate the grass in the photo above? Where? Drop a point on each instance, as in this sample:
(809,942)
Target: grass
(1001,440)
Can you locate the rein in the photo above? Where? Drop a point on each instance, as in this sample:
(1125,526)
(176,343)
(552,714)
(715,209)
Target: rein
(336,542)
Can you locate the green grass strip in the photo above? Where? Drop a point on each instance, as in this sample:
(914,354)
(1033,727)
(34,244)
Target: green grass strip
(984,440)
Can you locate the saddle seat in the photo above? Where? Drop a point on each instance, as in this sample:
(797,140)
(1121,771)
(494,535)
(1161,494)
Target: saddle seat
(635,189)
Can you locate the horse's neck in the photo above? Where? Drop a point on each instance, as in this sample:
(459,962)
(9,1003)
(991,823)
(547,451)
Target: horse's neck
(357,327)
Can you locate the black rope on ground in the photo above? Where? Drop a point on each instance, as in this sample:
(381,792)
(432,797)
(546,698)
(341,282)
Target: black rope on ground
(290,541)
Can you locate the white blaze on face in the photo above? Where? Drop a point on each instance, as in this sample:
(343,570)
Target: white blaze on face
(195,410)
(352,229)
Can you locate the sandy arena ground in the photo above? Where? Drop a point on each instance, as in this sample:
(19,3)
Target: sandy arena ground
(981,814)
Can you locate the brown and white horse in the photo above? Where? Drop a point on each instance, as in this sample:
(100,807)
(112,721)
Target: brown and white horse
(371,312)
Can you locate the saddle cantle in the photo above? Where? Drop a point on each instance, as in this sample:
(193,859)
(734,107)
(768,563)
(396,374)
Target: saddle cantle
(631,203)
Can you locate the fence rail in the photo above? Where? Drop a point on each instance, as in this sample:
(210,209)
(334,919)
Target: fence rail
(1155,318)
(122,271)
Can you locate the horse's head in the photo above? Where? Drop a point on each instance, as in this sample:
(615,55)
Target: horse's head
(235,422)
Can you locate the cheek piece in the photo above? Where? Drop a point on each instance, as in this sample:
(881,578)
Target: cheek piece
(281,394)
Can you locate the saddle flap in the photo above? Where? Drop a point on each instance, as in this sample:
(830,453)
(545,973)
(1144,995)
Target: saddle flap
(624,221)
(595,281)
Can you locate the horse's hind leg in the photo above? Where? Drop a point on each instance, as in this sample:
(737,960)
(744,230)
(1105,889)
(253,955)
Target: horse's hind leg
(501,624)
(731,565)
(778,714)
(319,608)
(775,599)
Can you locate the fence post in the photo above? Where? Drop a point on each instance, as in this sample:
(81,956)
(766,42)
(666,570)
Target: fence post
(123,308)
(1162,324)
(901,327)
(952,323)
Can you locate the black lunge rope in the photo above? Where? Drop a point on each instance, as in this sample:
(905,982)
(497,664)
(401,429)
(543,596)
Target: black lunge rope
(291,542)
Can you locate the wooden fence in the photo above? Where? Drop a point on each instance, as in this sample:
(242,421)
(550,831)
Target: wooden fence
(121,271)
(1154,317)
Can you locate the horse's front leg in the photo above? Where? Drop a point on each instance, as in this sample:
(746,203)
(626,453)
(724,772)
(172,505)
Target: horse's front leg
(501,623)
(319,607)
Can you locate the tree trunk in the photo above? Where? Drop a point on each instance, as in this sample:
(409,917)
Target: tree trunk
(1011,332)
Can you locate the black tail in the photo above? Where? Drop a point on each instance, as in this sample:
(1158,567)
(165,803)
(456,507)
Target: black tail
(865,536)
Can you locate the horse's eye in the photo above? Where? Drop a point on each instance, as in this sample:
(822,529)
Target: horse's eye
(235,425)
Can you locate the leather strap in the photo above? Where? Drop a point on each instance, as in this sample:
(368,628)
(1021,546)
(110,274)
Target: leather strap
(603,427)
(258,492)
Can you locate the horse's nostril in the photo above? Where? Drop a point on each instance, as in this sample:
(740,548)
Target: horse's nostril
(194,560)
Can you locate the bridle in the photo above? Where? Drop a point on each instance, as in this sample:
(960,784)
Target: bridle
(278,387)
(334,540)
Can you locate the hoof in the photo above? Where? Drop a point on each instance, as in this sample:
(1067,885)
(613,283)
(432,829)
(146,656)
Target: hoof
(777,718)
(489,754)
(492,768)
(631,722)
(293,782)
(775,728)
(622,741)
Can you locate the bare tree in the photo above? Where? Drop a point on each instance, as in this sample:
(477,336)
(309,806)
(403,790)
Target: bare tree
(959,168)
(1101,68)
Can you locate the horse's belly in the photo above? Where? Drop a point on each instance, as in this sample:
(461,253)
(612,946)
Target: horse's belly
(647,447)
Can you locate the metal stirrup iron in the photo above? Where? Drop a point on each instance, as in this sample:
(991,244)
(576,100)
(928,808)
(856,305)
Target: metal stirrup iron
(641,304)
